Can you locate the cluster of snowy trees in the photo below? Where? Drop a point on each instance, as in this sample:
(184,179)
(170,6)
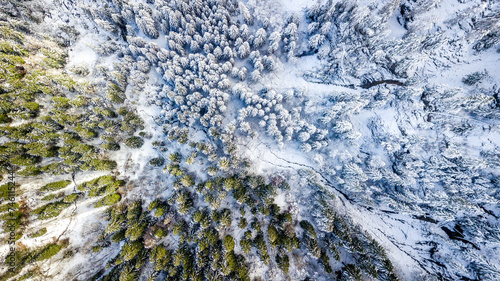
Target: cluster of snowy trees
(280,115)
(212,56)
(207,59)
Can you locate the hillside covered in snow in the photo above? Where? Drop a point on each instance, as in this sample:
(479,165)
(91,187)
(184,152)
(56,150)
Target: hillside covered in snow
(249,140)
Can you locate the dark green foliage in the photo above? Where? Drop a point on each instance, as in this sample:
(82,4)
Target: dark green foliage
(272,234)
(41,149)
(232,183)
(108,200)
(255,225)
(122,111)
(9,189)
(187,180)
(52,196)
(25,91)
(353,271)
(115,94)
(128,273)
(111,146)
(8,205)
(201,254)
(30,171)
(25,160)
(21,258)
(106,112)
(180,228)
(367,251)
(185,201)
(175,170)
(99,165)
(154,204)
(135,231)
(134,142)
(223,217)
(4,118)
(85,133)
(157,162)
(160,211)
(131,250)
(246,245)
(325,262)
(131,122)
(160,256)
(160,233)
(243,223)
(312,245)
(53,123)
(261,246)
(330,244)
(24,257)
(101,185)
(11,48)
(175,157)
(15,218)
(202,217)
(61,102)
(50,250)
(229,243)
(118,236)
(474,78)
(117,219)
(308,228)
(283,262)
(274,210)
(230,263)
(50,210)
(284,218)
(134,210)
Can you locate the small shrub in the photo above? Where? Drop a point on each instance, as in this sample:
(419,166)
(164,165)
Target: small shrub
(308,228)
(187,181)
(108,200)
(50,210)
(283,262)
(246,245)
(474,78)
(160,233)
(134,142)
(229,243)
(243,223)
(52,196)
(157,162)
(71,198)
(175,157)
(111,146)
(55,185)
(50,250)
(102,165)
(39,232)
(85,133)
(115,94)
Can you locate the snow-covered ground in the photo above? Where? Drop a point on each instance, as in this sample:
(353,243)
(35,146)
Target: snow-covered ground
(409,162)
